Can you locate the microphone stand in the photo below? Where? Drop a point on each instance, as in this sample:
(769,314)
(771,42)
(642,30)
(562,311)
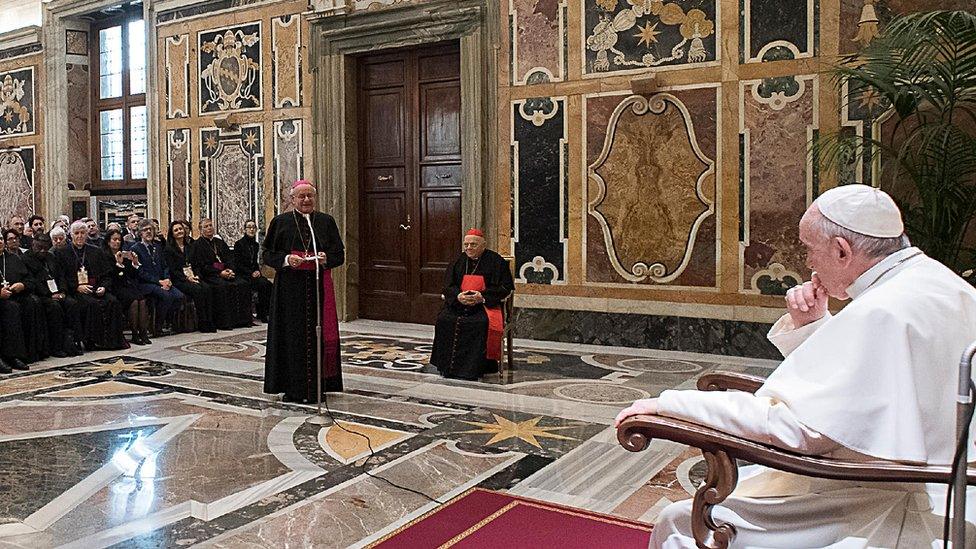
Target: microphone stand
(318,418)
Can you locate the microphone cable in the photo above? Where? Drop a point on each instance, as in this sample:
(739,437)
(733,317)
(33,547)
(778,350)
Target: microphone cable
(372,454)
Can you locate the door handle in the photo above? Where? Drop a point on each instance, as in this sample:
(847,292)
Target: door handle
(384,178)
(444,175)
(404,227)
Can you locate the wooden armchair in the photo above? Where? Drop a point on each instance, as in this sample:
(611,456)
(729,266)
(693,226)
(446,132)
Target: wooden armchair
(506,366)
(720,451)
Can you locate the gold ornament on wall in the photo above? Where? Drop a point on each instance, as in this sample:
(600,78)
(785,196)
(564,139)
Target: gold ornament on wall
(867,25)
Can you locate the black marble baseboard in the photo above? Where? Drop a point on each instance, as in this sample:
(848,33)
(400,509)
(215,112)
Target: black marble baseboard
(669,333)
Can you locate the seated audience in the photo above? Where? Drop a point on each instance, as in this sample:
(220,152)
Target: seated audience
(213,262)
(246,252)
(12,239)
(13,285)
(154,275)
(131,232)
(88,269)
(187,281)
(17,223)
(35,224)
(62,312)
(94,236)
(127,288)
(467,336)
(59,238)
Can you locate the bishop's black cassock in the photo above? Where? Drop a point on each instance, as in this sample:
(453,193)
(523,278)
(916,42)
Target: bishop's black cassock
(288,363)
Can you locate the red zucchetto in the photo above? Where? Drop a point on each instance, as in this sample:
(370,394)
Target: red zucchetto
(474,232)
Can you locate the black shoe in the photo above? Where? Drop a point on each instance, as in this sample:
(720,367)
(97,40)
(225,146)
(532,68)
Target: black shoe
(145,338)
(136,339)
(4,367)
(18,364)
(59,353)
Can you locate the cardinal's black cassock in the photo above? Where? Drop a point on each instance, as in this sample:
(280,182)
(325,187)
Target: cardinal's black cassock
(288,364)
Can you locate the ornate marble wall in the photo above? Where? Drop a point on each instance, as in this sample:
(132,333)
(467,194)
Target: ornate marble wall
(21,130)
(682,199)
(232,111)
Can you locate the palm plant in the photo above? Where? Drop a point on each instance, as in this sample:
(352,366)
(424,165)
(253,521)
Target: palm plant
(922,71)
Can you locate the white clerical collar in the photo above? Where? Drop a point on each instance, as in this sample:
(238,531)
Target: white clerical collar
(883,267)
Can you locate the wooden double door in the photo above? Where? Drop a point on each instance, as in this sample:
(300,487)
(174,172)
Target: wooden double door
(409,104)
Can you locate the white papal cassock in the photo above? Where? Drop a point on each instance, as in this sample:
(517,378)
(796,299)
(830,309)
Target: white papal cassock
(876,380)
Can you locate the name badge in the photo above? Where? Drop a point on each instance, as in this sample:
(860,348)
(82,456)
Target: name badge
(52,286)
(188,271)
(82,276)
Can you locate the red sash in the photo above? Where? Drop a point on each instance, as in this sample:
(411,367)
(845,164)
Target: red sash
(496,324)
(330,320)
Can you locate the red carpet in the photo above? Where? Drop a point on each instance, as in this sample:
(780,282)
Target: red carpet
(485,519)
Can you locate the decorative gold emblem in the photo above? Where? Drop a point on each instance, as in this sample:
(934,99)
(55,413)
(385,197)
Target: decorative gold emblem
(231,75)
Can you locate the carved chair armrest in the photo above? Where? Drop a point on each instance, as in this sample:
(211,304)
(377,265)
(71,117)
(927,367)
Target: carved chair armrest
(720,451)
(730,381)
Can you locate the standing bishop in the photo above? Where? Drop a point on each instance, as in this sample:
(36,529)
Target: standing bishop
(295,241)
(875,381)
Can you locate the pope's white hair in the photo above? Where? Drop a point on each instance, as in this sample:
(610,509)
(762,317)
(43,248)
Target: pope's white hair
(871,247)
(78,226)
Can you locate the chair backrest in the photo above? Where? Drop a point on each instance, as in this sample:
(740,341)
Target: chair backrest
(508,306)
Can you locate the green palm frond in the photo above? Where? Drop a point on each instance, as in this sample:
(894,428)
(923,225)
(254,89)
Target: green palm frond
(923,67)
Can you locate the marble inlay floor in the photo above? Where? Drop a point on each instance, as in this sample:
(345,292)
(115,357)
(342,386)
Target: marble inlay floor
(175,444)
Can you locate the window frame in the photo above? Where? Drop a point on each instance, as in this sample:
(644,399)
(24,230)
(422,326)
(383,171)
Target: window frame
(126,102)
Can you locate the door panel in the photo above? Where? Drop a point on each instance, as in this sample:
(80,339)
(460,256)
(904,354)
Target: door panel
(410,180)
(440,108)
(384,127)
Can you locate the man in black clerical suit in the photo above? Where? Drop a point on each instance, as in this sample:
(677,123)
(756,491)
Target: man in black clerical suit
(213,262)
(290,247)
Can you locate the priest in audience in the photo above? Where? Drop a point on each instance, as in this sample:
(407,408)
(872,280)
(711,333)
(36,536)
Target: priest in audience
(246,252)
(14,279)
(467,336)
(88,271)
(213,262)
(61,311)
(875,381)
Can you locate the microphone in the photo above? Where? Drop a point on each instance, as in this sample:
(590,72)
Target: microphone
(311,230)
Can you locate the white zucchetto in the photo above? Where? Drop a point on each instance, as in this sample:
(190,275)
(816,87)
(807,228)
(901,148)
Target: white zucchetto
(862,209)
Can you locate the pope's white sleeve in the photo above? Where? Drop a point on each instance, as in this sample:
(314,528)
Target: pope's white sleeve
(745,415)
(786,337)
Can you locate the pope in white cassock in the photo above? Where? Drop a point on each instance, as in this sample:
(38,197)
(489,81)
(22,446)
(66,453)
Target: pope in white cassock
(878,380)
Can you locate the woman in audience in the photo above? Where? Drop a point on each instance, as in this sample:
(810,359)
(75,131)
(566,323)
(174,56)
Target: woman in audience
(88,270)
(12,239)
(185,279)
(125,286)
(62,313)
(246,252)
